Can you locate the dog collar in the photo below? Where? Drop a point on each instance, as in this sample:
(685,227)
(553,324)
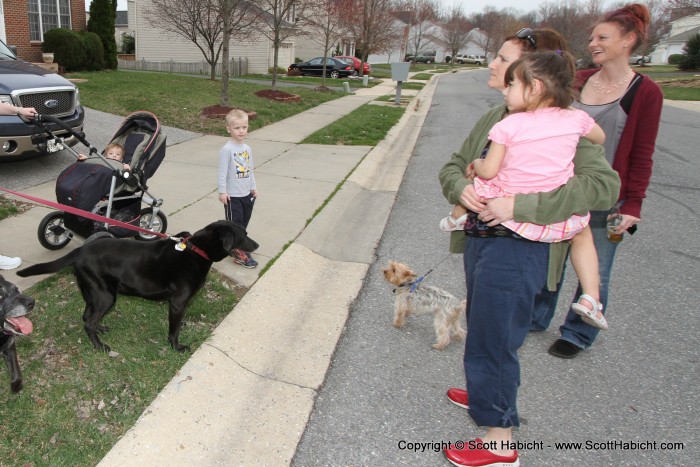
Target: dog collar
(184,243)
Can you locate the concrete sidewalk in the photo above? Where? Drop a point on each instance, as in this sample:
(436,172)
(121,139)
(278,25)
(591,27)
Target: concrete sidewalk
(245,396)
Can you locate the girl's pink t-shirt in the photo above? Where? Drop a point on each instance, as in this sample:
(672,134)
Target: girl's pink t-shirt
(540,148)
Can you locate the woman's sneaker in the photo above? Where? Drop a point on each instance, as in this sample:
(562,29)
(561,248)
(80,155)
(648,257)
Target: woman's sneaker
(244,259)
(458,397)
(475,454)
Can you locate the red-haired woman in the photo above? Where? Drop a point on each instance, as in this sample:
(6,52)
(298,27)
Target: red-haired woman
(627,105)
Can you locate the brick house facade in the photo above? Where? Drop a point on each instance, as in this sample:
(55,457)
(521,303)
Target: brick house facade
(17,27)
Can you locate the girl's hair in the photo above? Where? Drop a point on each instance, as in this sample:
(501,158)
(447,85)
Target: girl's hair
(545,38)
(114,146)
(554,69)
(633,17)
(236,114)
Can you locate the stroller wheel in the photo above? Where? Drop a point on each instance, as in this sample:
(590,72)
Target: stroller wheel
(52,233)
(157,223)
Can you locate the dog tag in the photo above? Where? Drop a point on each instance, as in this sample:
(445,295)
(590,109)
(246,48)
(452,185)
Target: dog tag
(180,246)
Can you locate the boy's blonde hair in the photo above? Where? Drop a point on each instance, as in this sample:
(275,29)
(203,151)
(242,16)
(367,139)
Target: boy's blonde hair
(114,146)
(236,114)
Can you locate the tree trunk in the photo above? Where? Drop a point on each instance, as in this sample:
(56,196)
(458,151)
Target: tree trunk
(224,59)
(275,59)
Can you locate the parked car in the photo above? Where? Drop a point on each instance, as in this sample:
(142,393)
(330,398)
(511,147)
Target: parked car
(420,58)
(355,62)
(314,67)
(24,84)
(639,59)
(475,59)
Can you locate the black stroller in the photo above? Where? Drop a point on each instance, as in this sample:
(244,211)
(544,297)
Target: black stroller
(103,186)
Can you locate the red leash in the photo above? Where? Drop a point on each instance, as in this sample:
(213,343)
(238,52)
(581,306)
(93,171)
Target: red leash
(86,214)
(182,243)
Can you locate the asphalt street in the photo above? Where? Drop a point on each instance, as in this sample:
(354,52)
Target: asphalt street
(383,401)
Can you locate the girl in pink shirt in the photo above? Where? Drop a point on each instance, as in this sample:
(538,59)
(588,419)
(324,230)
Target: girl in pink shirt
(532,150)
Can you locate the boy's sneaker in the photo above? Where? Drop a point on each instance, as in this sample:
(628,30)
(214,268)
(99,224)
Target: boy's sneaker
(244,259)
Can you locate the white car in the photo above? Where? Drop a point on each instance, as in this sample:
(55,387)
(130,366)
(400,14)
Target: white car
(475,59)
(639,59)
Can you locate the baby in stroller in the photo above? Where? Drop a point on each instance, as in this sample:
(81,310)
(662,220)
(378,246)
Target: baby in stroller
(113,151)
(112,184)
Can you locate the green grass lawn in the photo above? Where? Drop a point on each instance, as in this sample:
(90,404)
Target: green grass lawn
(78,401)
(7,208)
(366,125)
(675,84)
(178,100)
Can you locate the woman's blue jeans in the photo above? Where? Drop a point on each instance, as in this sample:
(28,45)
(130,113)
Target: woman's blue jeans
(503,276)
(574,329)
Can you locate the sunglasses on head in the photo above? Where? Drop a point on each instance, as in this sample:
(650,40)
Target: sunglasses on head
(526,33)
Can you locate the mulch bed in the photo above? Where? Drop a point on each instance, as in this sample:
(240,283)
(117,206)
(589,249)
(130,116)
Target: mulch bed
(220,111)
(280,96)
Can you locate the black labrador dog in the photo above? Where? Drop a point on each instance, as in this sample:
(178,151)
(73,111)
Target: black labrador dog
(13,308)
(160,270)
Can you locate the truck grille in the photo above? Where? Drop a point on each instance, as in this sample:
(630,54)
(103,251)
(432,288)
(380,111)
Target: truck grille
(60,102)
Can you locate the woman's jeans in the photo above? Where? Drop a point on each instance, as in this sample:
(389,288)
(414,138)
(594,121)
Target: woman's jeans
(503,276)
(574,329)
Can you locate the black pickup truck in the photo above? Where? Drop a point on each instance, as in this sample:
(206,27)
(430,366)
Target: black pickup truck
(23,84)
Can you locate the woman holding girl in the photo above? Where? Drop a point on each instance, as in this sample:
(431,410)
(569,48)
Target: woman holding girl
(505,271)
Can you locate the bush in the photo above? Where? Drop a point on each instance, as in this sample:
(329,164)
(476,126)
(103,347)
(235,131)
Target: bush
(94,51)
(280,70)
(675,59)
(101,22)
(68,49)
(691,59)
(128,43)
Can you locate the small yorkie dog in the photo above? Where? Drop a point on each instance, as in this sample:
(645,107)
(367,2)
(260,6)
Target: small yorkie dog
(412,297)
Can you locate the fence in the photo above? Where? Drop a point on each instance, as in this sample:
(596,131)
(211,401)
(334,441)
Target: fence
(238,66)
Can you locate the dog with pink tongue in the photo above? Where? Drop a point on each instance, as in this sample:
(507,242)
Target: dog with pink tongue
(14,307)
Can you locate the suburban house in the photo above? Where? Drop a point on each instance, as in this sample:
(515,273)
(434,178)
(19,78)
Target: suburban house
(431,41)
(157,45)
(23,22)
(672,43)
(121,26)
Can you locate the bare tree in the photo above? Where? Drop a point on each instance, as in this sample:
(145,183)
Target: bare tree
(209,24)
(237,18)
(491,25)
(196,20)
(455,30)
(372,25)
(326,23)
(278,22)
(573,20)
(424,15)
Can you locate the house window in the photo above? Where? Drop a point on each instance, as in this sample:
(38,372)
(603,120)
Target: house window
(47,14)
(292,14)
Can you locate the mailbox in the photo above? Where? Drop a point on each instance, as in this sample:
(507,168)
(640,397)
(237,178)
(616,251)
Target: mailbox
(399,71)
